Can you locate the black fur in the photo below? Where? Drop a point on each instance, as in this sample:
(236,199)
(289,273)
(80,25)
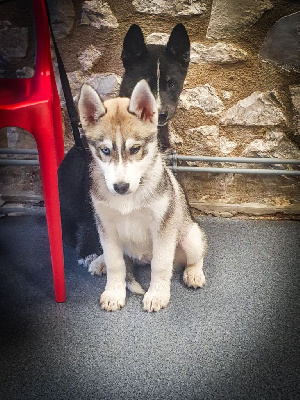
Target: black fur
(77,216)
(140,62)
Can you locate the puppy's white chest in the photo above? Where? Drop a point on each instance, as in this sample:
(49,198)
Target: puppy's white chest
(134,232)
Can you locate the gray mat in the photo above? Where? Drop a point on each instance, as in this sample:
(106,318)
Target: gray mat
(238,338)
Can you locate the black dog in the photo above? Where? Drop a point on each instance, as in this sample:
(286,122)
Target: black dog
(165,68)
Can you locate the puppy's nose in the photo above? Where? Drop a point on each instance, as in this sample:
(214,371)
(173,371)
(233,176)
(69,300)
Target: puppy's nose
(162,117)
(121,187)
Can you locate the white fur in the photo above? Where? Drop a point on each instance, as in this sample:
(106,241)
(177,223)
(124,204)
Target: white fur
(133,173)
(131,223)
(97,266)
(158,98)
(148,222)
(130,172)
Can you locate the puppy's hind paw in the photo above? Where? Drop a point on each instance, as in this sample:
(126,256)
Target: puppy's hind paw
(85,262)
(98,266)
(111,300)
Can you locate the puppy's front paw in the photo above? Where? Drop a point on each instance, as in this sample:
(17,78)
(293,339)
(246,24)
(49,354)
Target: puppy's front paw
(112,300)
(193,276)
(154,300)
(98,266)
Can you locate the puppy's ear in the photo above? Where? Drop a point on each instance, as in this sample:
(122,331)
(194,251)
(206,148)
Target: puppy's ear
(142,103)
(133,46)
(178,46)
(90,106)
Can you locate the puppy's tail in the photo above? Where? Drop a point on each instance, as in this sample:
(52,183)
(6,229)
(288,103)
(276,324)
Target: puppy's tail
(135,287)
(132,284)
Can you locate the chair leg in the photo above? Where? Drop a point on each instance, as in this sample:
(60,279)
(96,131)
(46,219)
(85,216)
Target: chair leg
(57,123)
(47,155)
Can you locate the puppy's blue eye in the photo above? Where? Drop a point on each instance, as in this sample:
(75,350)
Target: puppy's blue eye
(105,151)
(135,149)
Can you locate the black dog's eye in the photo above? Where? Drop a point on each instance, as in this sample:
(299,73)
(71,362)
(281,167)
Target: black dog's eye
(135,149)
(171,83)
(105,151)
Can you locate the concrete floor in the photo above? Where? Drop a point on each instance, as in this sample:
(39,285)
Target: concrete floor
(238,338)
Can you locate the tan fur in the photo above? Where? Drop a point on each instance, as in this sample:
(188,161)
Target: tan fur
(118,119)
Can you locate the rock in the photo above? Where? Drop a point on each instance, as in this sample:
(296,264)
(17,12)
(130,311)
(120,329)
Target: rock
(157,38)
(226,95)
(281,45)
(62,17)
(264,208)
(226,146)
(189,7)
(295,96)
(202,140)
(58,83)
(220,53)
(25,72)
(274,145)
(13,41)
(170,7)
(210,132)
(175,138)
(18,138)
(12,136)
(98,14)
(231,17)
(89,57)
(162,7)
(208,138)
(203,97)
(76,80)
(107,85)
(259,109)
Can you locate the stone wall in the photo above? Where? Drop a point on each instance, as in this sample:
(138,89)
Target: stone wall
(241,96)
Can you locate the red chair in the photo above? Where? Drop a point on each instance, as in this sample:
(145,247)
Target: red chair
(33,104)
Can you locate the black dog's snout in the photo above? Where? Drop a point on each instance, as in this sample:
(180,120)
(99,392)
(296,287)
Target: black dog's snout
(162,118)
(121,188)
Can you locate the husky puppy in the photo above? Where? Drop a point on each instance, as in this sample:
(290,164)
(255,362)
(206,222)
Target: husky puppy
(141,211)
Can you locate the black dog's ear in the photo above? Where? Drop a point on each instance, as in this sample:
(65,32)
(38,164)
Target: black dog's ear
(179,45)
(133,46)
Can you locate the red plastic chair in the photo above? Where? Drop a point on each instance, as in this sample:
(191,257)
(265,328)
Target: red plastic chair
(33,104)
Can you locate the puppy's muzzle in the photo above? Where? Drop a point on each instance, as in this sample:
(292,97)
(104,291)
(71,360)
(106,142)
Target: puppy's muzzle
(121,187)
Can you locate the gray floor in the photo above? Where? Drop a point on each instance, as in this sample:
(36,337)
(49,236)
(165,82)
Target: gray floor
(238,338)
